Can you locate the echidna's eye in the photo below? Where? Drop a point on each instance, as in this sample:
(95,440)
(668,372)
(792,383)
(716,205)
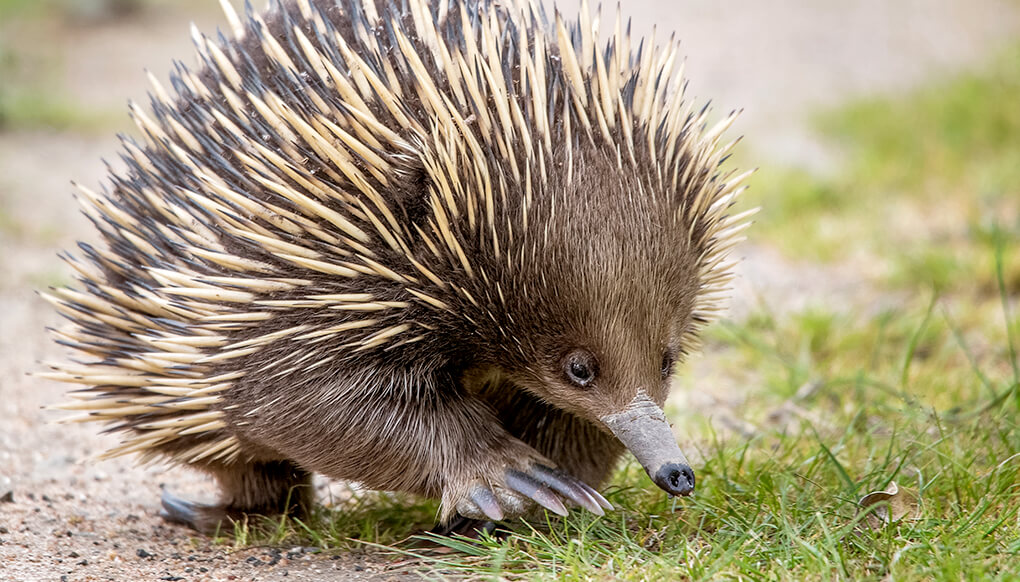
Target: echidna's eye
(667,364)
(580,367)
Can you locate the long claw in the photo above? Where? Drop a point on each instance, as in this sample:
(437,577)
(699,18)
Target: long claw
(529,487)
(178,510)
(487,503)
(200,517)
(566,486)
(597,496)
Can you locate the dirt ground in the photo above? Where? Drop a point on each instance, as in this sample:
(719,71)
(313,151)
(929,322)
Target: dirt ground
(65,516)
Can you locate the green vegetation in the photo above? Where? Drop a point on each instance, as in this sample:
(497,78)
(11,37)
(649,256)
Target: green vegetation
(34,108)
(80,8)
(901,396)
(8,225)
(921,388)
(31,96)
(930,187)
(17,8)
(31,99)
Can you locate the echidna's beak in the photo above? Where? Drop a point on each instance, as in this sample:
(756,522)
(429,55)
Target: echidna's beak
(642,427)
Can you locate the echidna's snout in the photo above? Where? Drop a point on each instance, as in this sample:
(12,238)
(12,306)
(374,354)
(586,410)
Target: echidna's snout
(675,478)
(642,427)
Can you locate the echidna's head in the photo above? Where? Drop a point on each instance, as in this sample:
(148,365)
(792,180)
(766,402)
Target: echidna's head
(599,304)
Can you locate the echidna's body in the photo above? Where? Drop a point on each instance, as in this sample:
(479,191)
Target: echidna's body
(429,248)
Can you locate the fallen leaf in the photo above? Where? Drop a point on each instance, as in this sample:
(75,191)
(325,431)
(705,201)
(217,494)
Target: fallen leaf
(889,506)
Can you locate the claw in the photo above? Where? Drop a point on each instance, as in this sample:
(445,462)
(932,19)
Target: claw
(178,510)
(596,495)
(487,503)
(527,485)
(566,486)
(200,517)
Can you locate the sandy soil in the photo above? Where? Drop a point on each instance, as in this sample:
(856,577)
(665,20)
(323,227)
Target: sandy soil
(64,516)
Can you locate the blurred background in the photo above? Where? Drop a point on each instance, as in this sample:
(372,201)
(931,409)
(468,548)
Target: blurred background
(887,134)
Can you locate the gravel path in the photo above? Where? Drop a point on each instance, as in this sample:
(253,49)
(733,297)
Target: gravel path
(64,516)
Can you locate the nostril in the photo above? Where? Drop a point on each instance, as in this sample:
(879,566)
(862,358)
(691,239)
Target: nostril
(675,479)
(688,474)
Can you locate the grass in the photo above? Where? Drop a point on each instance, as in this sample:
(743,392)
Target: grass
(17,8)
(36,108)
(31,96)
(930,185)
(901,396)
(35,8)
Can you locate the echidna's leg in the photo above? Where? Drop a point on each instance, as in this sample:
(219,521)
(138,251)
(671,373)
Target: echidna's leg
(509,480)
(576,446)
(258,488)
(396,429)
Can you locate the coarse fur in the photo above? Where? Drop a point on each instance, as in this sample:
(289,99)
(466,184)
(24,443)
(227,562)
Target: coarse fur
(360,239)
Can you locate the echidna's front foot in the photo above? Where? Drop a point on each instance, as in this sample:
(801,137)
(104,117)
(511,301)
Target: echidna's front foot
(206,519)
(513,494)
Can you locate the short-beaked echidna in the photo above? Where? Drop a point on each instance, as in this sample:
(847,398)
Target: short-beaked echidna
(452,248)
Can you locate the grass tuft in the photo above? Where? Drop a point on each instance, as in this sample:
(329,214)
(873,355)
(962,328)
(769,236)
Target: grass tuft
(898,398)
(930,186)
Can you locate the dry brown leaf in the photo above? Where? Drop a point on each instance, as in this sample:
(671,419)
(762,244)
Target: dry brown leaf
(889,506)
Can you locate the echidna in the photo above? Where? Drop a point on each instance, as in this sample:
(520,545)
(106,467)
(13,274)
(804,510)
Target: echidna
(442,247)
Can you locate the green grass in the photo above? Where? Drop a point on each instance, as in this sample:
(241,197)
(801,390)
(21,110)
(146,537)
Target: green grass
(37,108)
(8,224)
(37,8)
(19,8)
(930,185)
(368,518)
(31,94)
(926,394)
(901,396)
